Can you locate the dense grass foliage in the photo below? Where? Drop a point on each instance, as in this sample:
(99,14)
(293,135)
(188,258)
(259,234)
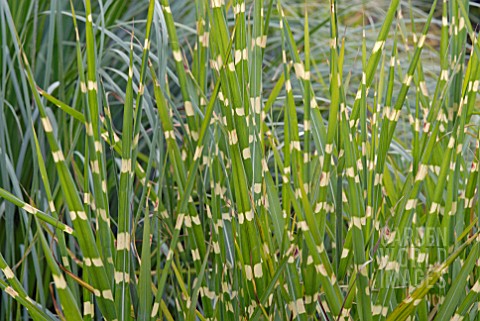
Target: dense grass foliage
(239,160)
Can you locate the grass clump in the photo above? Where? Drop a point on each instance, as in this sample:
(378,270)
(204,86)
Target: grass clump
(232,160)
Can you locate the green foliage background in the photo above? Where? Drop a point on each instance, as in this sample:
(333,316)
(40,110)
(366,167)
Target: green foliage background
(239,160)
